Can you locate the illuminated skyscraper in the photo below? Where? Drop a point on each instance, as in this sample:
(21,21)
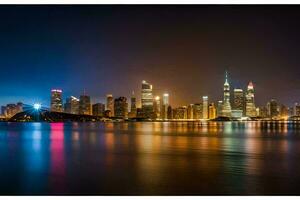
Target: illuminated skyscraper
(164,107)
(147,100)
(238,103)
(219,108)
(212,111)
(180,113)
(190,111)
(98,109)
(250,106)
(110,104)
(197,110)
(121,107)
(273,109)
(133,111)
(72,105)
(85,105)
(157,107)
(205,107)
(56,101)
(226,111)
(296,109)
(170,113)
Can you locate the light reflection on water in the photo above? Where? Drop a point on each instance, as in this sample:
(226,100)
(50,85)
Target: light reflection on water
(150,158)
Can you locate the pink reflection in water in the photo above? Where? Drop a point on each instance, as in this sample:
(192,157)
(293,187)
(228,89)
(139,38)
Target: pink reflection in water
(58,166)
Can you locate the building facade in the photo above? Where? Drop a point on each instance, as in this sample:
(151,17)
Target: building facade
(56,101)
(110,104)
(212,111)
(121,107)
(98,109)
(85,105)
(147,100)
(72,105)
(226,110)
(250,105)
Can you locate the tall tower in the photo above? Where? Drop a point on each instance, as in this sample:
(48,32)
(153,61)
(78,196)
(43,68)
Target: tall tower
(85,105)
(110,103)
(147,100)
(56,100)
(205,107)
(157,107)
(226,111)
(250,106)
(165,104)
(133,105)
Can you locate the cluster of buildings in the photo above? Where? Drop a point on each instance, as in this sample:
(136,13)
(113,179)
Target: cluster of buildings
(236,104)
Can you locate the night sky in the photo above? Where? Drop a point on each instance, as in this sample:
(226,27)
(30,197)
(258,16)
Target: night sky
(183,50)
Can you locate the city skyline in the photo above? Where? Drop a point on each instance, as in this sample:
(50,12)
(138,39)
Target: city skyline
(181,50)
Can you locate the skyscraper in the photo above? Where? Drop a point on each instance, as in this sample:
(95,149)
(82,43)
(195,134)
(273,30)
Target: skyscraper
(56,101)
(98,109)
(110,104)
(180,113)
(164,107)
(85,105)
(212,111)
(121,107)
(205,107)
(133,111)
(190,111)
(219,108)
(147,100)
(273,109)
(72,105)
(238,103)
(296,109)
(157,107)
(197,110)
(250,106)
(226,110)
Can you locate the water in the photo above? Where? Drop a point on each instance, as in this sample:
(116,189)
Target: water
(145,158)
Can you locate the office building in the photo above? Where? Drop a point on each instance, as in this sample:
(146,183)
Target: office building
(205,107)
(121,107)
(156,107)
(56,101)
(133,111)
(110,104)
(219,108)
(85,105)
(190,111)
(273,109)
(98,109)
(197,110)
(147,100)
(212,111)
(71,105)
(238,101)
(164,107)
(250,105)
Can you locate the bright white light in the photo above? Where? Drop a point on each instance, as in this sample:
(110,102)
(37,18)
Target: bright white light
(37,106)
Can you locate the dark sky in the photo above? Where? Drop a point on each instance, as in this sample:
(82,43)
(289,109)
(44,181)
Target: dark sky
(183,50)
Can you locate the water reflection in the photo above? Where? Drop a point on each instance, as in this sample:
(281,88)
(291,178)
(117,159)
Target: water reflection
(150,158)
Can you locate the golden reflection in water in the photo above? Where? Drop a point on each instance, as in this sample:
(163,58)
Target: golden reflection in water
(109,141)
(75,135)
(93,137)
(254,150)
(125,140)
